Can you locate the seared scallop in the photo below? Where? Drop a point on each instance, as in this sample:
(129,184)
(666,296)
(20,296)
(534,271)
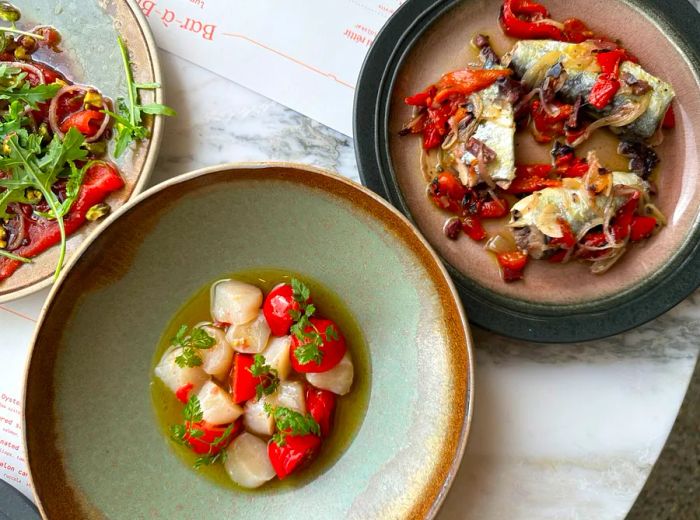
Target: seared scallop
(217,359)
(276,355)
(251,337)
(338,379)
(217,405)
(235,302)
(174,376)
(247,462)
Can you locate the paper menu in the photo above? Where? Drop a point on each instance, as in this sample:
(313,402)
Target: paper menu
(17,321)
(305,54)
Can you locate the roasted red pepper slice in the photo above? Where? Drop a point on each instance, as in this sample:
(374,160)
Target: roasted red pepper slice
(276,308)
(512,265)
(87,122)
(447,192)
(332,349)
(467,81)
(421,98)
(533,170)
(183,393)
(530,184)
(623,219)
(603,91)
(472,227)
(522,19)
(594,239)
(610,61)
(321,406)
(549,127)
(641,228)
(201,436)
(493,208)
(100,180)
(297,451)
(243,383)
(669,119)
(568,239)
(575,31)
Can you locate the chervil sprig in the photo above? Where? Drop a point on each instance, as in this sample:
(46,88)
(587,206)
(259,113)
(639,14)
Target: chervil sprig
(191,344)
(290,422)
(269,378)
(305,331)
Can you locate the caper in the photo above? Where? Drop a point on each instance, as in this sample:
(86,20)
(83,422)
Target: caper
(9,12)
(29,43)
(97,148)
(21,53)
(97,211)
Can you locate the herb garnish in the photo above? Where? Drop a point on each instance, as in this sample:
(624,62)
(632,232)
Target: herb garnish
(310,340)
(191,343)
(269,378)
(129,119)
(192,413)
(290,422)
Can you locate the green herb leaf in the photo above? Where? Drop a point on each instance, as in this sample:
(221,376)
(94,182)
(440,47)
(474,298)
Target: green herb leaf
(300,292)
(197,340)
(157,109)
(290,422)
(192,411)
(269,378)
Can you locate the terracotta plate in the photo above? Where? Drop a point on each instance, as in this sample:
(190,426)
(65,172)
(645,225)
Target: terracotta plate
(95,449)
(556,302)
(91,56)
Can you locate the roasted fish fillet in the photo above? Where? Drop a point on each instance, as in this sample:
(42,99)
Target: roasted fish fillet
(582,70)
(572,203)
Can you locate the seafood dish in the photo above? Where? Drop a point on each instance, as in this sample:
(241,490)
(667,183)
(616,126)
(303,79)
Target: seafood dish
(560,82)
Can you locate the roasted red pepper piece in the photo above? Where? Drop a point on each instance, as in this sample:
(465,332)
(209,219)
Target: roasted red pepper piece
(512,265)
(87,122)
(641,228)
(332,350)
(493,208)
(276,308)
(568,239)
(321,406)
(549,127)
(297,451)
(669,119)
(467,81)
(594,239)
(183,393)
(575,31)
(603,91)
(202,443)
(623,219)
(530,184)
(472,227)
(100,180)
(610,61)
(533,170)
(421,99)
(522,19)
(243,383)
(447,192)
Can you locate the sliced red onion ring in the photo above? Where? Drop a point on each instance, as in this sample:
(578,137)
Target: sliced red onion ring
(53,113)
(28,67)
(19,230)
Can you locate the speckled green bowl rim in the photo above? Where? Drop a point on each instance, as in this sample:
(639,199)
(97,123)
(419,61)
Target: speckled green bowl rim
(430,256)
(661,291)
(153,145)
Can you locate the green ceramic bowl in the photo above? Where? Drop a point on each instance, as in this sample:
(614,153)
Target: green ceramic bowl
(90,55)
(93,445)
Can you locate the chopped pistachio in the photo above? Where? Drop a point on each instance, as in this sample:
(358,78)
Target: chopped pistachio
(97,211)
(3,244)
(43,131)
(9,12)
(92,98)
(21,53)
(97,148)
(6,148)
(33,196)
(59,81)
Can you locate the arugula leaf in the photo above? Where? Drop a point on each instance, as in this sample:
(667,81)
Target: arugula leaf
(290,422)
(128,117)
(15,257)
(191,343)
(269,377)
(29,95)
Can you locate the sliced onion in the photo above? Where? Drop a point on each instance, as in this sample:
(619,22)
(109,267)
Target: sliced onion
(499,244)
(653,211)
(601,265)
(100,131)
(534,76)
(28,67)
(625,115)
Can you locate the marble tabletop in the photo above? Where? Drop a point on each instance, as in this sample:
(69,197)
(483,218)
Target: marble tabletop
(560,431)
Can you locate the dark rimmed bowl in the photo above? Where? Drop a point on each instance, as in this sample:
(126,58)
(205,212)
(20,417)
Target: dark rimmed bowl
(94,447)
(556,303)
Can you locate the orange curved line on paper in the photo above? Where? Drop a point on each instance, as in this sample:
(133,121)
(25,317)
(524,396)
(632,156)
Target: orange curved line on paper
(290,58)
(19,314)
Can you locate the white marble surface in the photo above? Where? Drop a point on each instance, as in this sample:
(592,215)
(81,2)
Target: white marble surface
(560,431)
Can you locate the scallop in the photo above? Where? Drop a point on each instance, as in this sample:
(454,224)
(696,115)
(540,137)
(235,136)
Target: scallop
(338,379)
(276,355)
(217,359)
(235,302)
(217,405)
(255,419)
(247,462)
(175,376)
(290,394)
(251,337)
